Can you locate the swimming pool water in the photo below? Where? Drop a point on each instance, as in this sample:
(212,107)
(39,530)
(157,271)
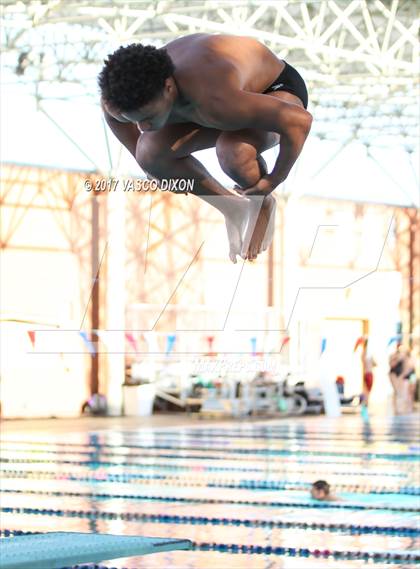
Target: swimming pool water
(239,491)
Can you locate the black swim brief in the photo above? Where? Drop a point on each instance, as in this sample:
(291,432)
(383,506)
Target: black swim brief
(289,80)
(397,368)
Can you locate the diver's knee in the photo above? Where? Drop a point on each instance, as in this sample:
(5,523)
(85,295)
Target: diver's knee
(152,156)
(235,157)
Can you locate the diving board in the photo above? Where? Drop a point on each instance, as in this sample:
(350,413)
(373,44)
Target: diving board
(60,549)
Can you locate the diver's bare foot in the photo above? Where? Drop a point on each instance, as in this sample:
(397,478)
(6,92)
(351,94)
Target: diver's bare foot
(260,229)
(236,222)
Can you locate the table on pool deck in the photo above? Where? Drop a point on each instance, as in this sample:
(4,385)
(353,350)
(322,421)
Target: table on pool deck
(60,549)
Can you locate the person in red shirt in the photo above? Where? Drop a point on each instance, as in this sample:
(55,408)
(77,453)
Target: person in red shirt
(369,364)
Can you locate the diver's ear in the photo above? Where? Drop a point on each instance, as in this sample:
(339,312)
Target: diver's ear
(169,84)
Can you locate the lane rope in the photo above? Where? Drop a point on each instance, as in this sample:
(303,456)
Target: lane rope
(166,466)
(180,499)
(193,481)
(352,529)
(257,451)
(98,452)
(232,548)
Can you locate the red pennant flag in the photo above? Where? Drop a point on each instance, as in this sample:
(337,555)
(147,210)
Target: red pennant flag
(131,340)
(285,341)
(210,340)
(31,334)
(359,342)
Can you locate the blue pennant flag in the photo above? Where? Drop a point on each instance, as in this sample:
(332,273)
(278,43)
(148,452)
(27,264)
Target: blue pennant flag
(88,343)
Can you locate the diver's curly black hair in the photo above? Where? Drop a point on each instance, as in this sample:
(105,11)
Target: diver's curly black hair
(134,75)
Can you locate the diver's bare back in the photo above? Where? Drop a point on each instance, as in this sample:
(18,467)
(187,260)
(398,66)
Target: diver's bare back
(206,65)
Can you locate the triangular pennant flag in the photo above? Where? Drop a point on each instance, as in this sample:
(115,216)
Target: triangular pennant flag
(210,341)
(31,334)
(323,345)
(359,342)
(87,342)
(396,339)
(284,341)
(170,342)
(131,340)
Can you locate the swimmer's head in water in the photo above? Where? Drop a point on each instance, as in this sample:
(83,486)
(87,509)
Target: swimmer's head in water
(137,81)
(320,490)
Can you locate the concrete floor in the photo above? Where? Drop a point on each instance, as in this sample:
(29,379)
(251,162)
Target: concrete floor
(83,424)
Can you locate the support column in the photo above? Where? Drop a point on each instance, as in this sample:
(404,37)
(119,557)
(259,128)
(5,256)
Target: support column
(411,229)
(94,368)
(115,300)
(270,275)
